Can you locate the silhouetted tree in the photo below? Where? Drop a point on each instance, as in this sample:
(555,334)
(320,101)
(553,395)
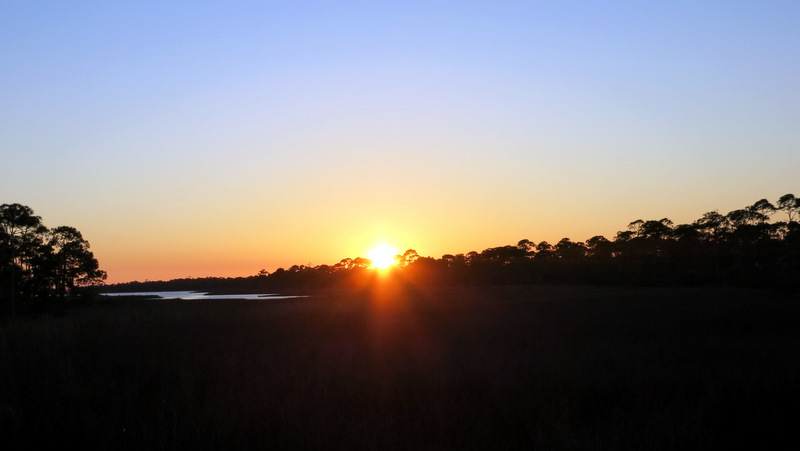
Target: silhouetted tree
(599,246)
(763,206)
(527,246)
(37,263)
(74,264)
(567,249)
(790,204)
(21,232)
(544,250)
(710,225)
(408,257)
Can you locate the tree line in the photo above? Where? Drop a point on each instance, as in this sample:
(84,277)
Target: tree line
(757,246)
(39,264)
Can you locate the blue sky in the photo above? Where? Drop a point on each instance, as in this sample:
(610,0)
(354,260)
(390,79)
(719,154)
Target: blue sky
(219,138)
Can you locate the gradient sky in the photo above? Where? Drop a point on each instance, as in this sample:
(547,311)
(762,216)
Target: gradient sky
(217,138)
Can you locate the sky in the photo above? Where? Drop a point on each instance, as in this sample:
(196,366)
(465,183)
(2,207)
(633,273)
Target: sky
(218,138)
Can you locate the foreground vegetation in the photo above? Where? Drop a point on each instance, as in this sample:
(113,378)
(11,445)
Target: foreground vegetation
(389,366)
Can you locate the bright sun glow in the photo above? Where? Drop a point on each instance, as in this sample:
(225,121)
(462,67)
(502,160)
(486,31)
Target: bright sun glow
(382,256)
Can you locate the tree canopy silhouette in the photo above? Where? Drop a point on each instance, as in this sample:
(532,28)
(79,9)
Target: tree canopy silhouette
(39,264)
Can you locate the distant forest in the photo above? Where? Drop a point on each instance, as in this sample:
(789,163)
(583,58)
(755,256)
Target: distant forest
(756,246)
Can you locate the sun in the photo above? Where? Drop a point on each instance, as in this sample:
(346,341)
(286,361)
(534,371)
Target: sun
(382,256)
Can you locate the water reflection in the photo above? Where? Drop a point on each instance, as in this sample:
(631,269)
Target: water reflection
(197,295)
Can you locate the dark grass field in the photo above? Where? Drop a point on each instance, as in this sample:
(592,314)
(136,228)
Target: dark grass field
(396,368)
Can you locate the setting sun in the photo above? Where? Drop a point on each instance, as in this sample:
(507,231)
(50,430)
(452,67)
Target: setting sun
(382,256)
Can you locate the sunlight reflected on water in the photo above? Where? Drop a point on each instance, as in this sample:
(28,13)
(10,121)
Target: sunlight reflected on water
(199,295)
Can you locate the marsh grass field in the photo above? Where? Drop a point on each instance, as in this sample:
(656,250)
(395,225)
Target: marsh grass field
(541,367)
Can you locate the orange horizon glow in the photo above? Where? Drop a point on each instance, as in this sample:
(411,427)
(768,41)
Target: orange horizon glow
(170,245)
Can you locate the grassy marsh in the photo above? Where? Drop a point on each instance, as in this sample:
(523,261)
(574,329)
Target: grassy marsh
(393,368)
